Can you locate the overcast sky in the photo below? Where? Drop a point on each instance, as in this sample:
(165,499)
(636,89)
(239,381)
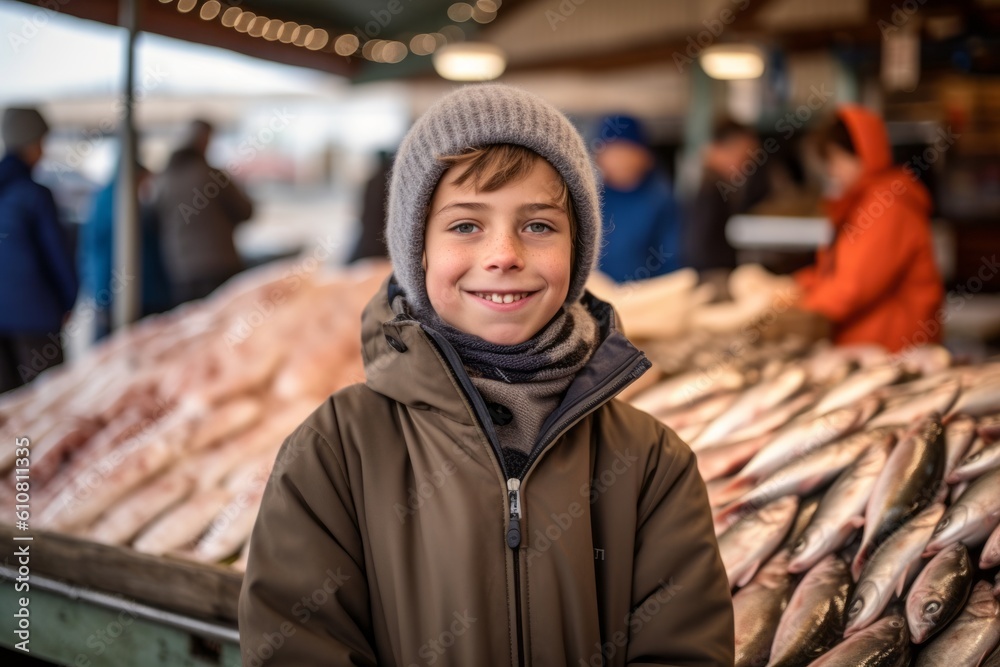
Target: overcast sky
(45,55)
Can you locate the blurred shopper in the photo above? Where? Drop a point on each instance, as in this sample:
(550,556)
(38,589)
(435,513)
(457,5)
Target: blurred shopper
(198,207)
(95,256)
(732,183)
(37,279)
(878,281)
(371,242)
(641,224)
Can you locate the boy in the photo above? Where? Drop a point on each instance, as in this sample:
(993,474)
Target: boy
(878,281)
(481,499)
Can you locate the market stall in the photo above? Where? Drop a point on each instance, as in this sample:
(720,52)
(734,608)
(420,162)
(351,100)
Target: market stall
(838,475)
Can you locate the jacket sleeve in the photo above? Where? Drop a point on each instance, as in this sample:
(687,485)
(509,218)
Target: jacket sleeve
(235,201)
(53,250)
(870,256)
(682,610)
(806,277)
(305,596)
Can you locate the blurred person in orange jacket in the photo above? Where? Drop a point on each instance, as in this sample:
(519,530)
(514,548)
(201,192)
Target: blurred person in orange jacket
(877,282)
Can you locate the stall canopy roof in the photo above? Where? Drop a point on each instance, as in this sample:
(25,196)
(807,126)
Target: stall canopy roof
(605,34)
(385,19)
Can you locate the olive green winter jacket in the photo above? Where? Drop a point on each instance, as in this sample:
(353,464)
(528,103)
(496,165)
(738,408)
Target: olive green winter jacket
(391,535)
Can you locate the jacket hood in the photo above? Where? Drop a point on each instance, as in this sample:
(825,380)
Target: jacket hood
(411,363)
(869,136)
(871,141)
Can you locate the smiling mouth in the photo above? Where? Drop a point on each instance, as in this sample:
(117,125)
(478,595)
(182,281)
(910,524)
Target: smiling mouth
(506,297)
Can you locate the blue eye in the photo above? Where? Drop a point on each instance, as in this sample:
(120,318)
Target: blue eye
(464,228)
(538,227)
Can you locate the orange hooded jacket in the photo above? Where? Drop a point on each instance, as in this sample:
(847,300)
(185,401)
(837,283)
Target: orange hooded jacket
(878,281)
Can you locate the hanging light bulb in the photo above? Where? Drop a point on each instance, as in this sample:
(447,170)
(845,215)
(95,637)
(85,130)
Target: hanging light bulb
(732,61)
(470,61)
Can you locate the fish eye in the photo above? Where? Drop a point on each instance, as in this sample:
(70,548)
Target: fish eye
(856,607)
(974,457)
(896,623)
(932,607)
(800,544)
(942,524)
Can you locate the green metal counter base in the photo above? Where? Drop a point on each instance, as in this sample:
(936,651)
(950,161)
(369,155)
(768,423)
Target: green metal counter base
(80,627)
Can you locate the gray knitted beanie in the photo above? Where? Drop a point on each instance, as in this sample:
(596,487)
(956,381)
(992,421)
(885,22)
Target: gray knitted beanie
(473,117)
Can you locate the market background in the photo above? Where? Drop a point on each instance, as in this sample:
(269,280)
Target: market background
(301,122)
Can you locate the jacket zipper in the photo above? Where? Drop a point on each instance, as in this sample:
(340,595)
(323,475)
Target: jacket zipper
(631,370)
(514,542)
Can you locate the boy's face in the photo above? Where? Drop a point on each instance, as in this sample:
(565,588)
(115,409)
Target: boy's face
(512,245)
(843,170)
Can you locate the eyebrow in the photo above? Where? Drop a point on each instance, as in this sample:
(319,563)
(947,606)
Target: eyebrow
(524,208)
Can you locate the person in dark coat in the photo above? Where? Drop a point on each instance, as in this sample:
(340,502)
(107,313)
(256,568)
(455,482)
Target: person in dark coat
(199,208)
(37,280)
(725,191)
(371,241)
(640,213)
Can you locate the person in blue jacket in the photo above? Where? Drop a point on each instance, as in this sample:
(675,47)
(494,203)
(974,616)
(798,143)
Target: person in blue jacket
(640,213)
(95,256)
(37,278)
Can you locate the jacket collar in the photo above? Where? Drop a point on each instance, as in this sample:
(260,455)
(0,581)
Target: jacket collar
(413,364)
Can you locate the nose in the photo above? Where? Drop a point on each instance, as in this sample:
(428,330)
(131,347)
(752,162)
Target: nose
(504,252)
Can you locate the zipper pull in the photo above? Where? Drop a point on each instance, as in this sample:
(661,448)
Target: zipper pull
(514,501)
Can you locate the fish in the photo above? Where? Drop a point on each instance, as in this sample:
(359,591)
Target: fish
(938,592)
(774,418)
(757,610)
(687,389)
(841,511)
(721,460)
(226,420)
(924,359)
(970,637)
(814,619)
(755,537)
(231,528)
(129,515)
(976,464)
(989,428)
(798,440)
(936,401)
(807,510)
(990,555)
(885,643)
(81,501)
(958,436)
(972,517)
(703,411)
(183,524)
(751,404)
(857,386)
(810,472)
(978,398)
(910,481)
(890,570)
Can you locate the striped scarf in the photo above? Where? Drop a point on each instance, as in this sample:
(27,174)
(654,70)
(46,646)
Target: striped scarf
(524,383)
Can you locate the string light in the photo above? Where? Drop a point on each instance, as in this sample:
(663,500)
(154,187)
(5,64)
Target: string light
(318,39)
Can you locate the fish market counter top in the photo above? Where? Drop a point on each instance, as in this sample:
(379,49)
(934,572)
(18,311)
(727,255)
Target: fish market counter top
(77,602)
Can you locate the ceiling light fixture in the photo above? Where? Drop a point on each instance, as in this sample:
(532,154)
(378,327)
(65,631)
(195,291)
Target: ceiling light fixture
(732,61)
(470,61)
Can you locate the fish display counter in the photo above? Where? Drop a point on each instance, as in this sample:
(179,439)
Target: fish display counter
(856,498)
(855,492)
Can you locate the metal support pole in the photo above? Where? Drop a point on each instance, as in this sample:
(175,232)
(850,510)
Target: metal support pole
(126,277)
